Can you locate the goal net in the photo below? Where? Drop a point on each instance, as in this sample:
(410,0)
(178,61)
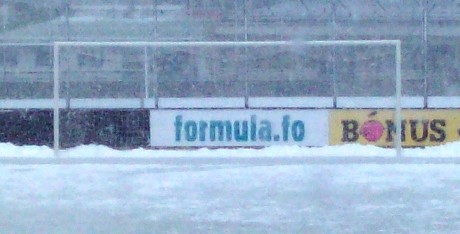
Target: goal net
(103,91)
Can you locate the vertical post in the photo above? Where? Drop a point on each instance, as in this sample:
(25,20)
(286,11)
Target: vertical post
(155,26)
(4,61)
(146,76)
(4,25)
(237,57)
(398,118)
(425,53)
(56,106)
(246,77)
(236,20)
(155,82)
(154,70)
(66,82)
(67,19)
(334,54)
(6,15)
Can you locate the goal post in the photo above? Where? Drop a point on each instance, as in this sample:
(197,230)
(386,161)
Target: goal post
(56,100)
(145,45)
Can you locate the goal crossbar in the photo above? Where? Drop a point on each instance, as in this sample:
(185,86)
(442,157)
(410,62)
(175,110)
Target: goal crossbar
(58,45)
(224,43)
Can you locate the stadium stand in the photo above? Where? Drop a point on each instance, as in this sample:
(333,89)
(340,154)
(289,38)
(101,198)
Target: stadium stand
(428,30)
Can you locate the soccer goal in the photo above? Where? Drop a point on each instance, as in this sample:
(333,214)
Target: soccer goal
(214,75)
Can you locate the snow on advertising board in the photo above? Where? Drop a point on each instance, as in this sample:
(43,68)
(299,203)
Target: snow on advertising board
(219,128)
(377,127)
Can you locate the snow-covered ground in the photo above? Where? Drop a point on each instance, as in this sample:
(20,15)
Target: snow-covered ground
(449,150)
(230,197)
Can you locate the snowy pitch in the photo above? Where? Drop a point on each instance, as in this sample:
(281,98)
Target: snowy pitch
(230,198)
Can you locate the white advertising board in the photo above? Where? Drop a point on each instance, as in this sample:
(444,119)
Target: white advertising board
(219,128)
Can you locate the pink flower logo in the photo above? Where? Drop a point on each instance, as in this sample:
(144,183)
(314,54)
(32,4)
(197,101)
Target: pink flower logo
(372,130)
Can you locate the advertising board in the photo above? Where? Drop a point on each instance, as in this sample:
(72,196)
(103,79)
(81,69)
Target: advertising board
(377,127)
(222,128)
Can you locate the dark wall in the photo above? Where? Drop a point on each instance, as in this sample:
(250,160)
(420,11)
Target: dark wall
(115,128)
(26,127)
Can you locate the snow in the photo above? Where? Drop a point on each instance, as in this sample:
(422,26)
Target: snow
(448,150)
(229,197)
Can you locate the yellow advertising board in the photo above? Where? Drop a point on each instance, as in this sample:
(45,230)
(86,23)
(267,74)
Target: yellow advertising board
(377,127)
